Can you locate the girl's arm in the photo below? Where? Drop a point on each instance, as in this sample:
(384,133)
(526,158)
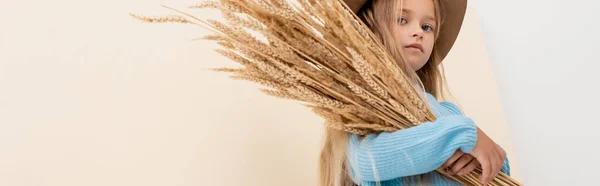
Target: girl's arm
(455,110)
(412,151)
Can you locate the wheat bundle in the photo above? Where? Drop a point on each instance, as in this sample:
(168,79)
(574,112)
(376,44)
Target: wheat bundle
(320,53)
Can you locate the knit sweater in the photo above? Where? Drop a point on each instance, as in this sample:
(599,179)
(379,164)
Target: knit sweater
(394,157)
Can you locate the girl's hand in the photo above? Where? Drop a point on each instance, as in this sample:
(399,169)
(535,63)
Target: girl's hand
(461,163)
(490,155)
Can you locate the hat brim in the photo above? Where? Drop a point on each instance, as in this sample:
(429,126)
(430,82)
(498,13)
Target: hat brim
(454,13)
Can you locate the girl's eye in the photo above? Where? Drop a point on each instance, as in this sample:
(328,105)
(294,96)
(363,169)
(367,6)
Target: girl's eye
(427,28)
(401,20)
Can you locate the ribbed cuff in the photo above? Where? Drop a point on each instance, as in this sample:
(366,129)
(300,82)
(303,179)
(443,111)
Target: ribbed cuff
(469,135)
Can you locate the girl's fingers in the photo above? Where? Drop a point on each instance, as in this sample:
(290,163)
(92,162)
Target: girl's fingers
(453,158)
(470,167)
(495,168)
(499,162)
(492,171)
(462,162)
(486,171)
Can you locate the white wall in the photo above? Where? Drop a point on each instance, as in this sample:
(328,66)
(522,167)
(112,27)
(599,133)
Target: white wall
(544,55)
(89,96)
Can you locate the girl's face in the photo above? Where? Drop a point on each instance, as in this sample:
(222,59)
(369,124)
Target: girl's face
(414,31)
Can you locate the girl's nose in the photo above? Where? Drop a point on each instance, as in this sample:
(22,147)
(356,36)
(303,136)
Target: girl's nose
(417,31)
(418,34)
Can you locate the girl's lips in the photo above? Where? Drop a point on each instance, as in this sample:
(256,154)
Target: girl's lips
(415,46)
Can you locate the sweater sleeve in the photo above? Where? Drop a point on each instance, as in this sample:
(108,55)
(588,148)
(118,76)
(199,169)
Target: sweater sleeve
(412,151)
(506,167)
(455,110)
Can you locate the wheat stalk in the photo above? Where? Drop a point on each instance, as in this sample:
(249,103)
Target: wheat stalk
(320,53)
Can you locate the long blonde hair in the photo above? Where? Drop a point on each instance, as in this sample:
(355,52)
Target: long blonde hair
(333,162)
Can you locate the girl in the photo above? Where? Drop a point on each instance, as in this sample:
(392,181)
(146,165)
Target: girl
(419,32)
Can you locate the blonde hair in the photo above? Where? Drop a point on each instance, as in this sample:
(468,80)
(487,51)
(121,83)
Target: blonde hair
(333,162)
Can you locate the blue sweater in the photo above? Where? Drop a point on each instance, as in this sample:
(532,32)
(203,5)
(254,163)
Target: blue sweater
(392,156)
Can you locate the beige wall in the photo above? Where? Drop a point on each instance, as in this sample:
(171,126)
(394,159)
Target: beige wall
(89,97)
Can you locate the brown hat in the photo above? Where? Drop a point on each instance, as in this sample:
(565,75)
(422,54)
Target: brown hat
(454,12)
